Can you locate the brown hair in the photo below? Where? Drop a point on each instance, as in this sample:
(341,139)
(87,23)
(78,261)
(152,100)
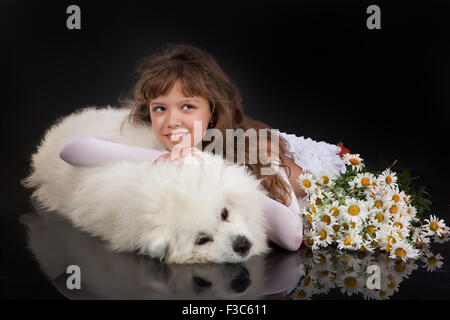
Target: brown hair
(200,75)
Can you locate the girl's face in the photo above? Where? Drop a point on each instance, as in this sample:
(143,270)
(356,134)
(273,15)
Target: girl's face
(173,116)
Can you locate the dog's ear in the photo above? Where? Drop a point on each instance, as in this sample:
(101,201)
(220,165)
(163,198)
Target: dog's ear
(159,247)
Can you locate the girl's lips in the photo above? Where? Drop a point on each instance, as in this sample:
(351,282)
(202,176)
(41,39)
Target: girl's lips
(176,136)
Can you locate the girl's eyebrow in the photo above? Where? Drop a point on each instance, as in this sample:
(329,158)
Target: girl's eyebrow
(182,101)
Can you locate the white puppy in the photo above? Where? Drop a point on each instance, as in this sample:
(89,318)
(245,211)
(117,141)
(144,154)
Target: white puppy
(191,213)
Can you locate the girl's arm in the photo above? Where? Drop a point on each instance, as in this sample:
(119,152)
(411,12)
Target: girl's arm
(285,223)
(96,150)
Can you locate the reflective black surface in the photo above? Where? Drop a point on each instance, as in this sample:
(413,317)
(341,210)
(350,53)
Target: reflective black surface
(51,244)
(309,68)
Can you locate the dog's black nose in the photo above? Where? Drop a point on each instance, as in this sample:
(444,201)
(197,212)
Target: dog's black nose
(242,245)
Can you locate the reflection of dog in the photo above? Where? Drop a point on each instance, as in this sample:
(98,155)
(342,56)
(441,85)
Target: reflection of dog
(190,213)
(106,274)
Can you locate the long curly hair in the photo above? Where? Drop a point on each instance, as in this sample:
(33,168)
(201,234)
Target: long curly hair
(200,75)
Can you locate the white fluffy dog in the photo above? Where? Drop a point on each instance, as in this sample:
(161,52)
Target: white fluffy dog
(190,213)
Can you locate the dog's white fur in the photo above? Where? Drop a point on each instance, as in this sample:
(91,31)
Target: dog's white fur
(159,209)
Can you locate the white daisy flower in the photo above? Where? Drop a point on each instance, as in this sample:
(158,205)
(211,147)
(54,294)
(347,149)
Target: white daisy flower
(326,217)
(307,182)
(350,240)
(419,236)
(396,196)
(350,282)
(386,238)
(379,217)
(325,178)
(323,233)
(432,262)
(353,160)
(403,250)
(412,211)
(387,178)
(434,226)
(355,210)
(444,237)
(303,293)
(364,180)
(309,236)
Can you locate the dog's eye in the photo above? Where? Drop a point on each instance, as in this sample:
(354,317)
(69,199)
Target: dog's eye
(202,240)
(224,214)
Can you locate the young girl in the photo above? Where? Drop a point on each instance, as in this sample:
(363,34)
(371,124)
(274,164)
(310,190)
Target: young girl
(183,85)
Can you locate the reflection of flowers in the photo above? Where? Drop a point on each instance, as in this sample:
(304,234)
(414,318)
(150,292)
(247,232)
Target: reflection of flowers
(346,271)
(365,210)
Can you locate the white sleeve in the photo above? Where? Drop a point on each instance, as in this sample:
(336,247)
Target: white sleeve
(101,149)
(285,223)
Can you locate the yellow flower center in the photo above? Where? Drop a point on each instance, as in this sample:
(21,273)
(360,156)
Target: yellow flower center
(398,224)
(391,239)
(354,161)
(307,183)
(336,228)
(400,252)
(353,210)
(322,234)
(325,179)
(378,203)
(391,285)
(310,219)
(393,209)
(434,226)
(388,247)
(334,211)
(380,217)
(365,182)
(432,261)
(318,201)
(307,281)
(350,282)
(396,198)
(310,241)
(346,227)
(326,219)
(301,294)
(371,229)
(348,241)
(313,208)
(388,180)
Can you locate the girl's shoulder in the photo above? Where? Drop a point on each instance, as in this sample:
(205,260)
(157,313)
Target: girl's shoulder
(313,156)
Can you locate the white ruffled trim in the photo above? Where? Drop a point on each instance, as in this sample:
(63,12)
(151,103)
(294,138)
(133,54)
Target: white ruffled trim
(315,157)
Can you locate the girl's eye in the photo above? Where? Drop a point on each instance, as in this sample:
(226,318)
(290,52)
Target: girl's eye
(188,105)
(203,240)
(156,108)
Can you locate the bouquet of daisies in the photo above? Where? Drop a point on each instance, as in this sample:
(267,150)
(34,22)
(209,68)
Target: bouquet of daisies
(365,210)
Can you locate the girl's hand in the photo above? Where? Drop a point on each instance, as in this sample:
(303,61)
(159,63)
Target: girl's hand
(180,151)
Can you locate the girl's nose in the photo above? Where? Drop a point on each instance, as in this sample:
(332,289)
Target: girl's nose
(173,119)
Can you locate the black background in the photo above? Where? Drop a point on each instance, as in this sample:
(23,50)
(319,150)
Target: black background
(311,68)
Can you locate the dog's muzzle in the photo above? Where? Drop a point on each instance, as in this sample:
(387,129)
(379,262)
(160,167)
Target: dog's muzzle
(242,245)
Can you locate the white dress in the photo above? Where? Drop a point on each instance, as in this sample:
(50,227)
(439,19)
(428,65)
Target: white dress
(315,157)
